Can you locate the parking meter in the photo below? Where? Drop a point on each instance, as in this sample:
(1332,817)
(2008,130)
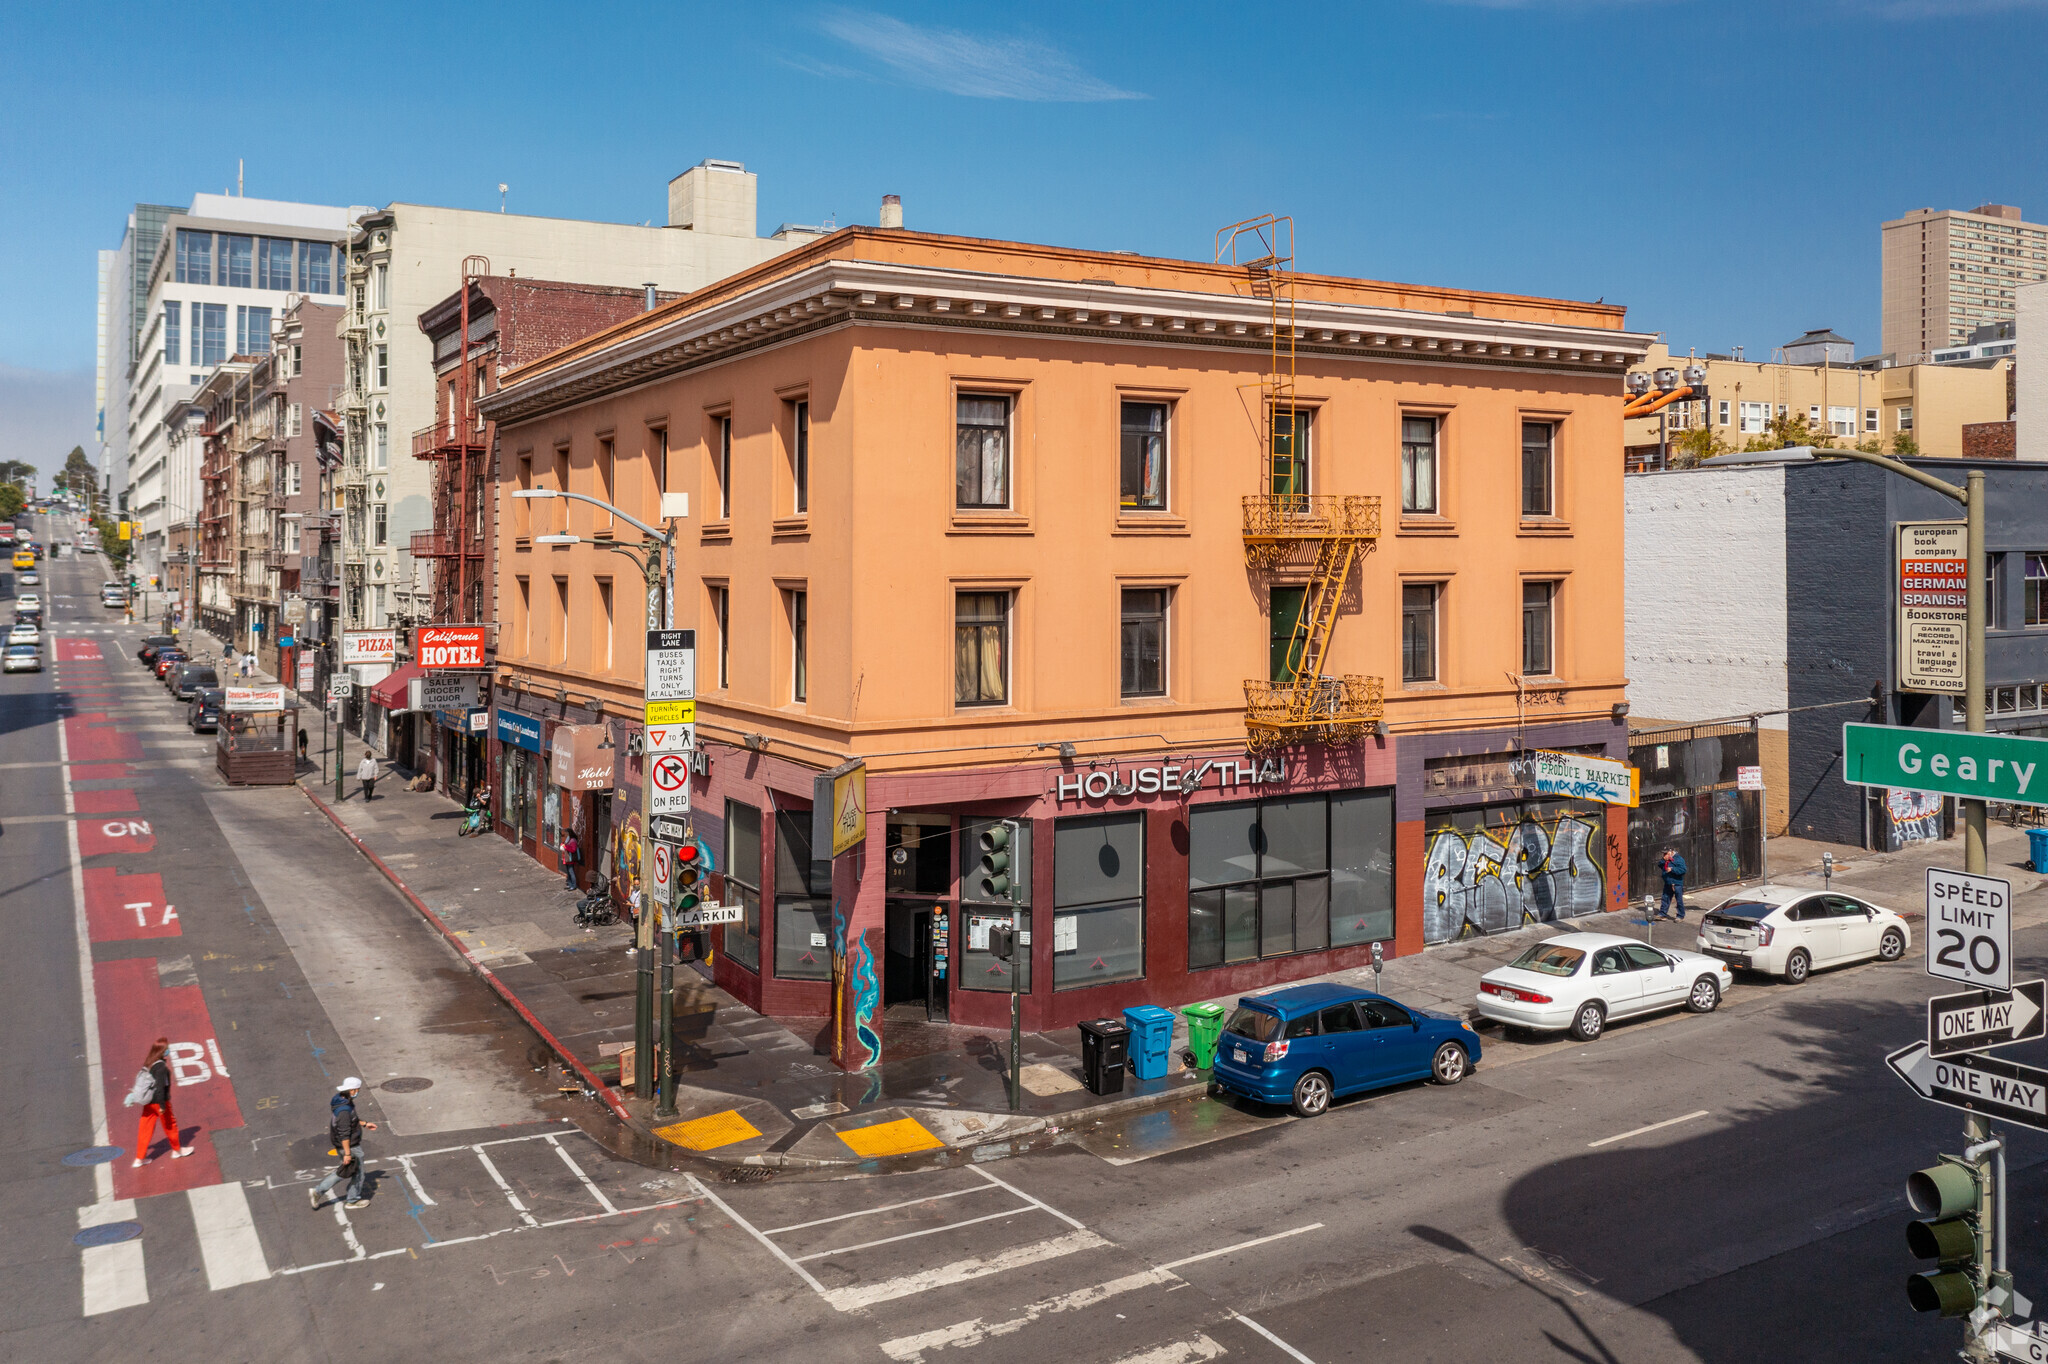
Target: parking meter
(1378,957)
(1827,869)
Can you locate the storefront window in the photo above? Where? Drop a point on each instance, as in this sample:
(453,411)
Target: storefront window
(515,791)
(1098,922)
(551,817)
(742,941)
(1272,878)
(803,910)
(979,968)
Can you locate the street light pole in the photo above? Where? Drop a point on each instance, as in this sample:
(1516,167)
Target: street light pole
(653,567)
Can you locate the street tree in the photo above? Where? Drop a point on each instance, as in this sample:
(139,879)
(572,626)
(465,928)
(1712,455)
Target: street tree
(77,476)
(12,500)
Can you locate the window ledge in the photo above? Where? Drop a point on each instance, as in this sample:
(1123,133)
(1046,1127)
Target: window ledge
(1426,525)
(1424,686)
(988,523)
(1149,523)
(789,523)
(1543,525)
(522,542)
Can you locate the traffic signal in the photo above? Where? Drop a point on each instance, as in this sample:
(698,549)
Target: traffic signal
(1951,1194)
(689,877)
(1002,942)
(998,854)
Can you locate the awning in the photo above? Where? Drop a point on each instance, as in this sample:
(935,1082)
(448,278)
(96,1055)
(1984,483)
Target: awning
(391,692)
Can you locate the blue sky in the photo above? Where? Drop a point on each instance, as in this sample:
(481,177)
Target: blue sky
(1721,168)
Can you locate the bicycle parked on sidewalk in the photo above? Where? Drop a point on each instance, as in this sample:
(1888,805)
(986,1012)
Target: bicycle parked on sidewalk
(476,816)
(595,908)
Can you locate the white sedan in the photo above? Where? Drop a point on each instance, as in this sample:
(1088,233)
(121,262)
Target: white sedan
(1791,932)
(1577,982)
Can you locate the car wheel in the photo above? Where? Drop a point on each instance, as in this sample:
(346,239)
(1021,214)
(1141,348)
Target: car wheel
(1891,946)
(1448,1066)
(1311,1093)
(1798,966)
(1705,996)
(1590,1019)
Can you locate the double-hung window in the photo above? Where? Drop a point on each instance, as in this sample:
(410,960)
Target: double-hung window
(1142,459)
(1418,632)
(2037,589)
(1143,644)
(1539,602)
(1905,419)
(1755,417)
(380,534)
(721,613)
(981,648)
(1291,453)
(799,646)
(1418,464)
(800,455)
(724,468)
(1870,420)
(383,366)
(981,444)
(1539,440)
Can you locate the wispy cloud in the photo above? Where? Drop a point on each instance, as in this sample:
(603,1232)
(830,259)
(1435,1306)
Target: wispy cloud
(967,64)
(1947,9)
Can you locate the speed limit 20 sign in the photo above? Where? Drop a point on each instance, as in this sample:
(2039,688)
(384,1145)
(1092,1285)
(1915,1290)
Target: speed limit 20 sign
(1969,929)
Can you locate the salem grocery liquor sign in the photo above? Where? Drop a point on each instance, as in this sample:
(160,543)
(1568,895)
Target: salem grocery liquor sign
(1946,762)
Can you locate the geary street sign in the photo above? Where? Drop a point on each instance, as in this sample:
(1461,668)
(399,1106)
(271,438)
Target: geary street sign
(1983,1085)
(1969,928)
(1946,762)
(1978,1019)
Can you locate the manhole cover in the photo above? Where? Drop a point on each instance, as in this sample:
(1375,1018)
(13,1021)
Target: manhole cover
(107,1234)
(407,1084)
(93,1155)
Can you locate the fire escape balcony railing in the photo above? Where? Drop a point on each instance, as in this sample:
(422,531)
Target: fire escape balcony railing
(1322,537)
(439,442)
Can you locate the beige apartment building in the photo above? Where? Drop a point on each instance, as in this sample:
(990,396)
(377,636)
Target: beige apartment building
(1949,271)
(1855,402)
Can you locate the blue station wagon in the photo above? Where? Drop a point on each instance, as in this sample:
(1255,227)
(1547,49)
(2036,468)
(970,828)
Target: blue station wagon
(1306,1045)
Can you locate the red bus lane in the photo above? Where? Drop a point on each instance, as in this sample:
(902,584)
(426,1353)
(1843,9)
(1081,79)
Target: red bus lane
(122,908)
(124,834)
(135,1009)
(91,737)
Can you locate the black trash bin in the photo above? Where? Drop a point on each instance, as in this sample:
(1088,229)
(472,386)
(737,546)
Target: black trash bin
(1105,1052)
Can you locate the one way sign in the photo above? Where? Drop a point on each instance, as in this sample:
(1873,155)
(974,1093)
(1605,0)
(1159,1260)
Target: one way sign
(1983,1085)
(1979,1019)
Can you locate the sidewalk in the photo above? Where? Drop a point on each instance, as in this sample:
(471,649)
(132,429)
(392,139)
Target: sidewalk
(763,1091)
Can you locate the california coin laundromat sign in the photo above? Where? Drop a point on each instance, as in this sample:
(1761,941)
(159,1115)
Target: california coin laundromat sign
(1946,762)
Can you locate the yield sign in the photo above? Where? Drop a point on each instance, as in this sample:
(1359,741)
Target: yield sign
(1977,1019)
(669,738)
(1977,1084)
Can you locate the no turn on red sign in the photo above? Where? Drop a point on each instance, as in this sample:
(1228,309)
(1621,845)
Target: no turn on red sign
(669,784)
(663,861)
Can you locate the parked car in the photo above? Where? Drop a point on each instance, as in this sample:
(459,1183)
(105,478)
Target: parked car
(21,658)
(164,658)
(1783,931)
(151,643)
(189,677)
(203,712)
(1579,982)
(1308,1044)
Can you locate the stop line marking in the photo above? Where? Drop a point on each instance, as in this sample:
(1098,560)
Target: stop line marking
(1637,1132)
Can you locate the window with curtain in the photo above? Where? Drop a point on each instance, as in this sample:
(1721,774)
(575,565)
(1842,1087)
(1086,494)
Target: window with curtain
(981,639)
(1098,922)
(171,330)
(1418,464)
(274,263)
(803,908)
(1538,439)
(981,468)
(195,257)
(1143,645)
(742,941)
(237,261)
(1143,457)
(1418,632)
(1538,605)
(979,968)
(1276,877)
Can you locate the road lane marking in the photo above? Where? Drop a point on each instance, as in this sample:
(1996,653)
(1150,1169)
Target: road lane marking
(1076,1225)
(95,1069)
(886,1207)
(1241,1245)
(114,1276)
(511,1197)
(1637,1132)
(913,1235)
(743,1224)
(412,1177)
(577,1170)
(910,1349)
(1291,1351)
(960,1271)
(1180,1352)
(227,1236)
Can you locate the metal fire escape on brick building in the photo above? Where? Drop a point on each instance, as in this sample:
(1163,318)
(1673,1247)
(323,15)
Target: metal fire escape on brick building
(1305,544)
(455,445)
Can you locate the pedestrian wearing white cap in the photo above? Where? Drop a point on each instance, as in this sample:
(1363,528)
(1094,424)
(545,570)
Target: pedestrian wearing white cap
(345,1130)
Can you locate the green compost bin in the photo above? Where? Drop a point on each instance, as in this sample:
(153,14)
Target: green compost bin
(1205,1025)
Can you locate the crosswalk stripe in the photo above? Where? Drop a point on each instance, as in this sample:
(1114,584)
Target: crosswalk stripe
(115,1276)
(1180,1352)
(961,1271)
(227,1236)
(909,1349)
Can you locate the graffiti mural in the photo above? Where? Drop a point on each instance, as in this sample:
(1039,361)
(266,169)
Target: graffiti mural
(1916,817)
(1524,869)
(867,997)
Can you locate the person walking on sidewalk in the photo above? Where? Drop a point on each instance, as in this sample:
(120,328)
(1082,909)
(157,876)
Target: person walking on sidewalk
(366,773)
(302,744)
(345,1130)
(1673,868)
(156,1113)
(572,854)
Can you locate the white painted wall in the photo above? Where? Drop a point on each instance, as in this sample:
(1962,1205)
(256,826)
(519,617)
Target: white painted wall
(1705,593)
(2030,377)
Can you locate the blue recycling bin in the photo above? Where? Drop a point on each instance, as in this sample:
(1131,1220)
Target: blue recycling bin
(1151,1040)
(2037,848)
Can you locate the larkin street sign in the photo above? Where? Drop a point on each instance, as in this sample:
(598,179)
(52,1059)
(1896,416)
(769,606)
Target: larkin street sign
(1979,1019)
(1946,762)
(1983,1085)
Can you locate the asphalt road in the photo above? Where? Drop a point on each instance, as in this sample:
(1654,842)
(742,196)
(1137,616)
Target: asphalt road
(1506,1217)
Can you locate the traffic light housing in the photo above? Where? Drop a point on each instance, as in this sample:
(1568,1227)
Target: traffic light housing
(1951,1194)
(1002,942)
(998,857)
(689,877)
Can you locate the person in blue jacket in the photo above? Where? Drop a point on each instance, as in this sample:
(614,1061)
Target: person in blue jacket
(1673,867)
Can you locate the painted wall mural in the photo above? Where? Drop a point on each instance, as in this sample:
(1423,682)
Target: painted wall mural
(867,998)
(1520,868)
(1916,817)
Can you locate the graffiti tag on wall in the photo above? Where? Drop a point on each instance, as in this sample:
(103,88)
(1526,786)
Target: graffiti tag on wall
(1493,879)
(1916,817)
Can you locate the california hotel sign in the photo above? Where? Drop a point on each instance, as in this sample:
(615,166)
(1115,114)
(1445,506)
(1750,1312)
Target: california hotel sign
(1178,779)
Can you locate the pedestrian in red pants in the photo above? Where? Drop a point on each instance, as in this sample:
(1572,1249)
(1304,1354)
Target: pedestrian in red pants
(157,1112)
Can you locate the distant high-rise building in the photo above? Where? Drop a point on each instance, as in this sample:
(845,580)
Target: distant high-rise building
(1949,271)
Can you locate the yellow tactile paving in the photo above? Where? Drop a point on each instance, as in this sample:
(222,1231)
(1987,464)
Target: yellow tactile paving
(709,1133)
(897,1138)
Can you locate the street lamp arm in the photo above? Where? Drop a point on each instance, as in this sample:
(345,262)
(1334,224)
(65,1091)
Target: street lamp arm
(622,514)
(1903,470)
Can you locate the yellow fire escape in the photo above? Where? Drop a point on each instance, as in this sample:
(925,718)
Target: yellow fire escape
(1289,531)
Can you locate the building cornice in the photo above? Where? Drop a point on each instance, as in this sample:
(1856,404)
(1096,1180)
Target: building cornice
(834,292)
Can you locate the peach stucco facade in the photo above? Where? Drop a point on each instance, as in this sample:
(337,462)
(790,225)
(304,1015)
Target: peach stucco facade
(849,366)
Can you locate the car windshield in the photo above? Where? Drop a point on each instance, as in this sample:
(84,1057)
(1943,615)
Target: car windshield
(1745,909)
(1256,1024)
(1549,958)
(22,650)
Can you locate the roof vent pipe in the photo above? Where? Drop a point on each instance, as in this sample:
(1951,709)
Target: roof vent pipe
(892,210)
(650,297)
